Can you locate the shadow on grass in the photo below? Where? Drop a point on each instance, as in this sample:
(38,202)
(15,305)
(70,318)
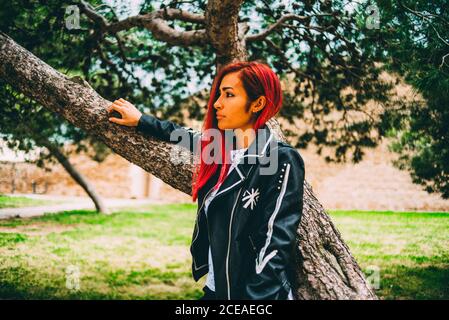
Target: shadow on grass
(21,283)
(417,283)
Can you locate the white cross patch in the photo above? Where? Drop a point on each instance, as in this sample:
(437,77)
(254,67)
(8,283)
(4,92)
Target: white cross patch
(250,198)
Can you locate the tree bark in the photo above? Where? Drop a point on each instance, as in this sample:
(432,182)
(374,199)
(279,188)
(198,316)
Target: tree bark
(224,32)
(326,268)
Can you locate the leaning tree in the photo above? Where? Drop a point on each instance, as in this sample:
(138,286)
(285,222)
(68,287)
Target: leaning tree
(26,125)
(313,40)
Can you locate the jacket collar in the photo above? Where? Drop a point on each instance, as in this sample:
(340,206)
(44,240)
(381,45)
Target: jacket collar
(257,149)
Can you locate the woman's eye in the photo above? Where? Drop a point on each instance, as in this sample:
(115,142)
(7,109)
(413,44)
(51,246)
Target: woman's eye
(229,95)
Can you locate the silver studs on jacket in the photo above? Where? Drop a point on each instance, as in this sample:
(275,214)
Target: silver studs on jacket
(280,180)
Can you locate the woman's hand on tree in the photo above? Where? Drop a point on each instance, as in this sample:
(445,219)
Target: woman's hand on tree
(129,113)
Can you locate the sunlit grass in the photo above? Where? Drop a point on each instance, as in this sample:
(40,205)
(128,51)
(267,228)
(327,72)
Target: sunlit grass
(18,202)
(145,254)
(409,249)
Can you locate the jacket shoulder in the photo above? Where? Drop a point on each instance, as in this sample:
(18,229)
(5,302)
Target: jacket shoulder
(288,153)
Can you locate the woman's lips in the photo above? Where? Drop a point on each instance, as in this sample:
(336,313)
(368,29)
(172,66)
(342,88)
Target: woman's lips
(220,117)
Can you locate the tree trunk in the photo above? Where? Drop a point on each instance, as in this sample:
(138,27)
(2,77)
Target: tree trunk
(326,268)
(77,176)
(224,32)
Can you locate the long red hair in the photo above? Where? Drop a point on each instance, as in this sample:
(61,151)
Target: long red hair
(258,79)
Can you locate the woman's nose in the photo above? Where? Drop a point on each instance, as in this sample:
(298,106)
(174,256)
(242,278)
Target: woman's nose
(217,104)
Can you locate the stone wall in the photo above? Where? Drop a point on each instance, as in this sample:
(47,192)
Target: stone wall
(111,177)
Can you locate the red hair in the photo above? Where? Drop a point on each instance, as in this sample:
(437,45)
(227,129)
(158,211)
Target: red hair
(258,79)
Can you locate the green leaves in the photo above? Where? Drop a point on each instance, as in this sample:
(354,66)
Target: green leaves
(415,51)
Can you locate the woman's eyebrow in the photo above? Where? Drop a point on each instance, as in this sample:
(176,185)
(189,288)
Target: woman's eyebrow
(224,88)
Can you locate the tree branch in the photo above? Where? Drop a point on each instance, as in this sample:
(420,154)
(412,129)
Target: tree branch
(156,22)
(426,17)
(263,34)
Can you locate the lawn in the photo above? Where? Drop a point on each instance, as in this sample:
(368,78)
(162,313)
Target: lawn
(144,254)
(17,202)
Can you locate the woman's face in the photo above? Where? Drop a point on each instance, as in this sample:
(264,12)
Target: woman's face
(232,110)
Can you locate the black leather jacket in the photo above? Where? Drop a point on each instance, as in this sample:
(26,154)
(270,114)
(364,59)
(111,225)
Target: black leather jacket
(252,221)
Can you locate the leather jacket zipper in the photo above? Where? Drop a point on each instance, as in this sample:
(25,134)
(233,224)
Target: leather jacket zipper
(229,244)
(230,234)
(252,244)
(197,227)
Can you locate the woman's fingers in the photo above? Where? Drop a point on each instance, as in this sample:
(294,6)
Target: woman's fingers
(124,103)
(115,107)
(129,114)
(119,103)
(117,120)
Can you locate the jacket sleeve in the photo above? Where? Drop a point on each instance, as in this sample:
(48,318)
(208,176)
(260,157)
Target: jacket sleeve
(168,131)
(275,238)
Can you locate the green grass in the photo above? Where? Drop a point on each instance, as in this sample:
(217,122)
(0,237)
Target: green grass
(126,255)
(18,202)
(145,254)
(11,238)
(409,249)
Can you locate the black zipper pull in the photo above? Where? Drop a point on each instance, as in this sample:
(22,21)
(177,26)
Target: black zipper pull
(252,244)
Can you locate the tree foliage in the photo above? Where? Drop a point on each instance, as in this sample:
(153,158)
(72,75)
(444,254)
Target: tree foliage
(24,123)
(315,41)
(160,57)
(416,35)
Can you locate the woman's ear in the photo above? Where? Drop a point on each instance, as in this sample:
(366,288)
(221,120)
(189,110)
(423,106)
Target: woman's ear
(259,104)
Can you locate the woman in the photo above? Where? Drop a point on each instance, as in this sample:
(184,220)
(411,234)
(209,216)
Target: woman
(248,212)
